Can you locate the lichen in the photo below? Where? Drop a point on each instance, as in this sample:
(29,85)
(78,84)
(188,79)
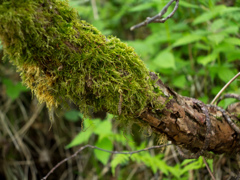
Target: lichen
(61,57)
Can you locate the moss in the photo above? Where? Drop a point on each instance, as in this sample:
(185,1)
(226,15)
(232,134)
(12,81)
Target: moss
(61,57)
(238,116)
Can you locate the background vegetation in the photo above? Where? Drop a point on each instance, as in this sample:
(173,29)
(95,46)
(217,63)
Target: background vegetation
(196,53)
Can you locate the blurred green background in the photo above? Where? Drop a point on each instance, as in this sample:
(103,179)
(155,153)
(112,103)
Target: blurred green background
(196,53)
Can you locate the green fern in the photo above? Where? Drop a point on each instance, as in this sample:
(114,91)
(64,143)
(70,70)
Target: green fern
(119,159)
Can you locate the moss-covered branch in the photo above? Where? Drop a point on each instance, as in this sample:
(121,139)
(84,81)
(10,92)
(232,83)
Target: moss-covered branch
(61,57)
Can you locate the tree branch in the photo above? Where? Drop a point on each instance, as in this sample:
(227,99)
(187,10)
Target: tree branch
(185,123)
(61,58)
(158,17)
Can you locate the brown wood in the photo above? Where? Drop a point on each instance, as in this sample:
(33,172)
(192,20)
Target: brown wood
(183,122)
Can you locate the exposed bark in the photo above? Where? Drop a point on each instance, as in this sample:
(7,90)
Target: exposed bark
(184,123)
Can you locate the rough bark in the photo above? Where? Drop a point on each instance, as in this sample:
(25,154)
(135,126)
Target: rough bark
(184,123)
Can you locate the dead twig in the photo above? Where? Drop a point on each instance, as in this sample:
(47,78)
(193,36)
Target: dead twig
(94,147)
(209,170)
(220,92)
(234,96)
(157,18)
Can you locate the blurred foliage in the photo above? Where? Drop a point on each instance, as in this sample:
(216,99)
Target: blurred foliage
(13,90)
(196,52)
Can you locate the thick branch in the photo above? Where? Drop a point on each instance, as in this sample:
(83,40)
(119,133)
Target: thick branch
(61,58)
(184,123)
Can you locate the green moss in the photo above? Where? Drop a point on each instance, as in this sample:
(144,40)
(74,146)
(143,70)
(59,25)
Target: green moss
(61,57)
(238,116)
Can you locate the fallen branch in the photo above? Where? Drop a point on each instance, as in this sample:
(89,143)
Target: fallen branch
(184,122)
(61,58)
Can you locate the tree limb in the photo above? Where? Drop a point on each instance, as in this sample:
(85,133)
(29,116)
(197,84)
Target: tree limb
(61,58)
(185,124)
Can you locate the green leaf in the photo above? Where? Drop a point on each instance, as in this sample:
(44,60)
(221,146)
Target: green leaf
(224,48)
(231,30)
(162,166)
(203,18)
(201,46)
(230,10)
(216,89)
(188,5)
(204,60)
(216,38)
(225,74)
(186,161)
(104,128)
(143,48)
(196,164)
(226,102)
(72,115)
(175,171)
(74,3)
(209,14)
(82,137)
(14,90)
(106,144)
(233,40)
(178,28)
(233,55)
(204,99)
(141,7)
(165,59)
(187,39)
(217,25)
(180,81)
(118,159)
(210,163)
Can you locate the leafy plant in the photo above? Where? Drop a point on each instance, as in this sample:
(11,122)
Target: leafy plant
(96,127)
(14,89)
(196,53)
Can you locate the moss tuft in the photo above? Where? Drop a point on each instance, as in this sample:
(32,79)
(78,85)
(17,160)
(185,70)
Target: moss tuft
(61,57)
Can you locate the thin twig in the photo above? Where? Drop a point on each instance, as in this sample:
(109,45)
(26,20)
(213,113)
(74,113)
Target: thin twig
(220,92)
(157,18)
(235,96)
(94,147)
(25,128)
(209,170)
